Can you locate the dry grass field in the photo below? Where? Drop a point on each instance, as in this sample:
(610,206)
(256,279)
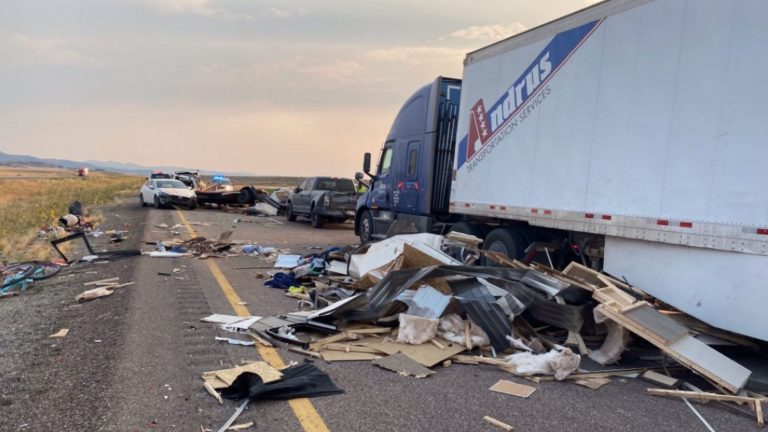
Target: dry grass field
(31,199)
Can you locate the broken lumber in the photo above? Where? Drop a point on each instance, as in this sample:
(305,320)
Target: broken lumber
(755,403)
(498,423)
(675,340)
(97,282)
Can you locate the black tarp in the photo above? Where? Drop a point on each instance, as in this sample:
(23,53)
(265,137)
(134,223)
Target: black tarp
(303,380)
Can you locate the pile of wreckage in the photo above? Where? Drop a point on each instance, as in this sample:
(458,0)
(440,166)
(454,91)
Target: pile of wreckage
(406,304)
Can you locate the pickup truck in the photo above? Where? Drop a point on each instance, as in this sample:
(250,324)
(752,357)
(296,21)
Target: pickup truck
(323,199)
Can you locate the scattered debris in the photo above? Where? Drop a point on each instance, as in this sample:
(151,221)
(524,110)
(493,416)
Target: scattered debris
(232,341)
(513,389)
(92,294)
(659,379)
(60,334)
(498,423)
(403,365)
(240,426)
(593,383)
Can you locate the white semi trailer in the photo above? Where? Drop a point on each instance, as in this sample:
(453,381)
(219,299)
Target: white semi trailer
(635,128)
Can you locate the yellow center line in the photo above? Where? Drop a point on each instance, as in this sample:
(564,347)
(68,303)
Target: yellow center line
(303,409)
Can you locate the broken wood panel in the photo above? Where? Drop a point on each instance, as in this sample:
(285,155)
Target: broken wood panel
(426,354)
(661,325)
(403,365)
(689,351)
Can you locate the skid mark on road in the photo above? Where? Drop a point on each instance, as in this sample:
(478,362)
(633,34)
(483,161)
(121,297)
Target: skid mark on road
(303,409)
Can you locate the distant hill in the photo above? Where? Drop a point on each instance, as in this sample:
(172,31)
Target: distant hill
(118,167)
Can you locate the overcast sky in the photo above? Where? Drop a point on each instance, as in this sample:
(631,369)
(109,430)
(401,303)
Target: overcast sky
(285,87)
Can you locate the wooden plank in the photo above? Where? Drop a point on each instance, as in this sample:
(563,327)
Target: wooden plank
(368,331)
(333,356)
(562,276)
(700,396)
(590,276)
(660,379)
(114,279)
(305,352)
(319,344)
(498,423)
(337,346)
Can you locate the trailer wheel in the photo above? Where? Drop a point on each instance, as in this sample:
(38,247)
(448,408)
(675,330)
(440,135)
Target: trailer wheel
(509,241)
(246,197)
(366,227)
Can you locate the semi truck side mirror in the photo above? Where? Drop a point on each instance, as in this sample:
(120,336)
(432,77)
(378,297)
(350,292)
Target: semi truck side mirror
(367,163)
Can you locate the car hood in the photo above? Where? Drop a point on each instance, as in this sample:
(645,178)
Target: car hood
(178,192)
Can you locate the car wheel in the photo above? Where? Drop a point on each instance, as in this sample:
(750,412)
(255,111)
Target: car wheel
(141,200)
(317,220)
(157,203)
(366,227)
(510,242)
(192,206)
(289,214)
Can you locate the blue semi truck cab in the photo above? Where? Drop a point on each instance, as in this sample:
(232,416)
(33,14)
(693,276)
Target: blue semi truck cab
(410,185)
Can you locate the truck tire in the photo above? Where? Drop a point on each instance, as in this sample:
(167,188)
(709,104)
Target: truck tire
(141,201)
(289,214)
(366,227)
(317,220)
(509,241)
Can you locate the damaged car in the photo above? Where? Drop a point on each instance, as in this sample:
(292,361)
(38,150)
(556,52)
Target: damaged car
(323,199)
(167,192)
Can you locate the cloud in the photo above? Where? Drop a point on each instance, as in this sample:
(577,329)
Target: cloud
(491,32)
(190,7)
(23,49)
(341,72)
(279,13)
(203,8)
(416,55)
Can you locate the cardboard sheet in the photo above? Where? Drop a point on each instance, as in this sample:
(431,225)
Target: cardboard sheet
(513,388)
(225,377)
(403,365)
